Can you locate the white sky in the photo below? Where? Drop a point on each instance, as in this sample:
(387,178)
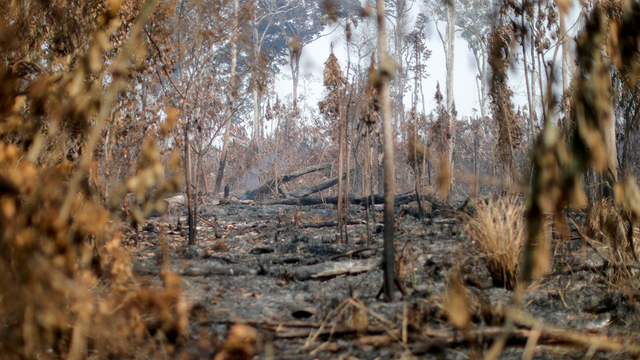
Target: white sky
(465,89)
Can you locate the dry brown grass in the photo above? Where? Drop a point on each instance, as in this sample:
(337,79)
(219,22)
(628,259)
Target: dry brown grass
(498,228)
(608,224)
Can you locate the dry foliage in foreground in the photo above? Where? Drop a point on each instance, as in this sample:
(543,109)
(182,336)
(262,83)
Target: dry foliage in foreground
(67,289)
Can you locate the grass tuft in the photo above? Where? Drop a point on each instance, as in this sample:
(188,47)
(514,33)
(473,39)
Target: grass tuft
(498,227)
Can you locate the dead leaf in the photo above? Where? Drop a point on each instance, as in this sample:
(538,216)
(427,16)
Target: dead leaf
(240,345)
(444,176)
(456,304)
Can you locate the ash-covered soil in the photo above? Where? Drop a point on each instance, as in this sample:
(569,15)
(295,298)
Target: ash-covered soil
(258,264)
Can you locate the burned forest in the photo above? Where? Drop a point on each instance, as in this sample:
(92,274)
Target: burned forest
(298,179)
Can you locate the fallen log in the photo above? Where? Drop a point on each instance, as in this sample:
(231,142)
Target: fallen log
(172,202)
(339,330)
(215,269)
(353,252)
(353,199)
(399,199)
(316,188)
(141,269)
(329,224)
(332,269)
(269,185)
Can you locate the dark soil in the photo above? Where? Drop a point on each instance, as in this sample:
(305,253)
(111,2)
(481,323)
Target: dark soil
(244,270)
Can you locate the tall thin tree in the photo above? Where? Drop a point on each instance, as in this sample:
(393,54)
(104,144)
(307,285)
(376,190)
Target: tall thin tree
(386,67)
(448,44)
(231,98)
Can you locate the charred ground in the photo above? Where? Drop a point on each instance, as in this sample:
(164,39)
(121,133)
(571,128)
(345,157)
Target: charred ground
(255,266)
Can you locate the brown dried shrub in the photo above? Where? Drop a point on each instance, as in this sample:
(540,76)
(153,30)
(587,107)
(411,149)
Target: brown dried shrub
(608,224)
(67,288)
(240,345)
(417,150)
(498,227)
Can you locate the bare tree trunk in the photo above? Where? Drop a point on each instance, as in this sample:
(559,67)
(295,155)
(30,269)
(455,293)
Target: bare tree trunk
(417,165)
(276,183)
(380,183)
(424,107)
(609,136)
(368,187)
(532,76)
(107,160)
(187,174)
(223,156)
(389,226)
(256,113)
(257,127)
(187,148)
(204,180)
(476,188)
(230,98)
(450,56)
(199,164)
(630,119)
(347,187)
(608,129)
(593,190)
(527,83)
(341,140)
(415,86)
(565,52)
(107,165)
(450,43)
(294,63)
(540,70)
(483,89)
(357,182)
(195,195)
(480,82)
(399,36)
(494,178)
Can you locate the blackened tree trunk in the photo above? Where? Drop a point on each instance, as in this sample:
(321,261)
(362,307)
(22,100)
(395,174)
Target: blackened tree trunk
(187,174)
(386,69)
(341,141)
